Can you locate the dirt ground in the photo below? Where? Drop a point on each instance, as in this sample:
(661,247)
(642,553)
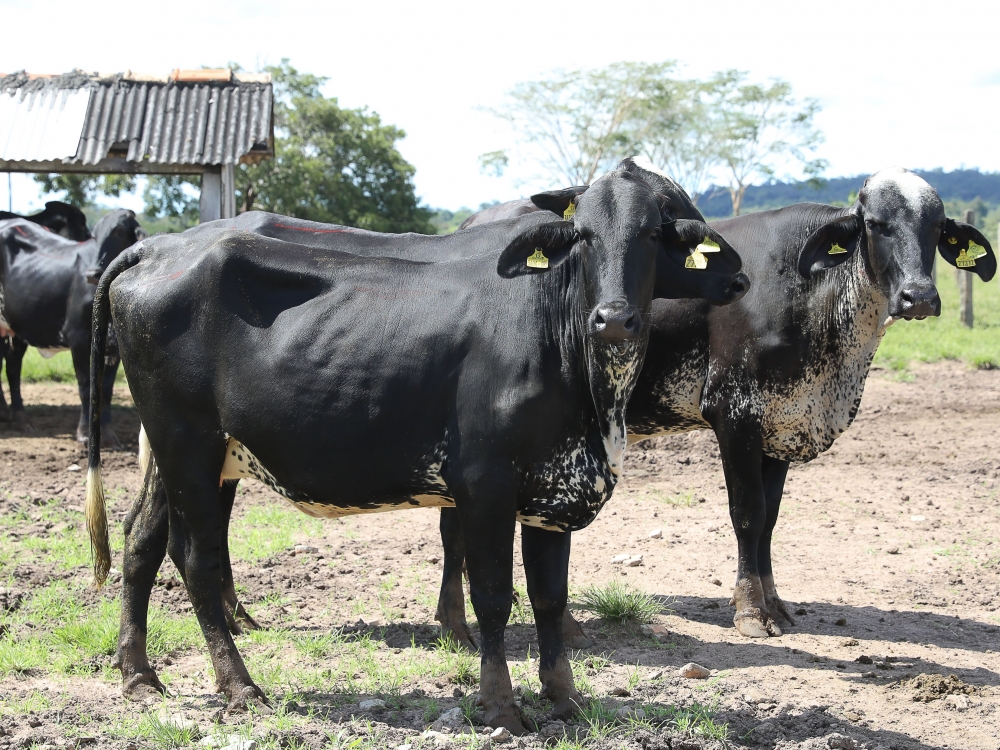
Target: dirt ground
(886,550)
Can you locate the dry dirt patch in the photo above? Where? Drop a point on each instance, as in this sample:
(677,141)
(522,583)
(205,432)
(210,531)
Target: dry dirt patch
(886,550)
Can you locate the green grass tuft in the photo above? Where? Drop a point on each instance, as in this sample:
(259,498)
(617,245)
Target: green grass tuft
(619,602)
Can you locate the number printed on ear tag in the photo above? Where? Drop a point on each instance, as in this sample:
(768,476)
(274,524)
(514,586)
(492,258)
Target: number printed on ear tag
(837,249)
(708,246)
(964,260)
(696,261)
(570,211)
(538,260)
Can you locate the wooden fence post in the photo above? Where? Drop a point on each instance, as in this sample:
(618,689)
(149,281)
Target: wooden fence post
(965,285)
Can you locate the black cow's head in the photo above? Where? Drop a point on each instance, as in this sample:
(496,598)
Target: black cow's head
(898,222)
(632,247)
(113,233)
(63,219)
(713,274)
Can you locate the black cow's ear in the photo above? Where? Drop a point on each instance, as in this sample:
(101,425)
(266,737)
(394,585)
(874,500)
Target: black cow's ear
(830,245)
(966,248)
(537,250)
(695,246)
(560,202)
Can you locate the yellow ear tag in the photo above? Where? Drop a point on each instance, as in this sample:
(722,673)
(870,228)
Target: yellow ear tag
(708,246)
(836,250)
(964,260)
(570,211)
(538,260)
(976,251)
(953,240)
(696,261)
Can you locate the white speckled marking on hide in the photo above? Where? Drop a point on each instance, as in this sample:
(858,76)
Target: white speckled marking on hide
(912,188)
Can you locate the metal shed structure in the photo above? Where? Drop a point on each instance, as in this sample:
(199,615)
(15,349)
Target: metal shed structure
(190,122)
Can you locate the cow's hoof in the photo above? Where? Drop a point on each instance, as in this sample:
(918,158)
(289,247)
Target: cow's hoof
(512,718)
(460,634)
(142,685)
(110,441)
(5,413)
(568,707)
(777,611)
(21,422)
(249,698)
(755,624)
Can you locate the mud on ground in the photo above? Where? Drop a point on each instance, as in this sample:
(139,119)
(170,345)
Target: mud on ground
(886,550)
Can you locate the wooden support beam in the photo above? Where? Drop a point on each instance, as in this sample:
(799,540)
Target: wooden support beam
(965,285)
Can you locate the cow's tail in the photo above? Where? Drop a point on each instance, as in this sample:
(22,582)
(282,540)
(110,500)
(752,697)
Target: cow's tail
(95,509)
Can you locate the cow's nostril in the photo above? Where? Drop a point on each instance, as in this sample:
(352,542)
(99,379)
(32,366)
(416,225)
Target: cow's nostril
(630,322)
(737,288)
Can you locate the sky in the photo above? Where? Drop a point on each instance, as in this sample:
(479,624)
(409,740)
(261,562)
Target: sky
(912,84)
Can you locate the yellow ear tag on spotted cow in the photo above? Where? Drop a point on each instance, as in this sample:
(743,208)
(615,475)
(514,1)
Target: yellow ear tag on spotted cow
(708,246)
(538,260)
(570,211)
(696,261)
(836,249)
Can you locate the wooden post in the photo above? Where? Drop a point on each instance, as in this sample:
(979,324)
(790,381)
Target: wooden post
(228,188)
(211,197)
(965,284)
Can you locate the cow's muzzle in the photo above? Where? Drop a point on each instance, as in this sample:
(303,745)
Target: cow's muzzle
(614,324)
(916,302)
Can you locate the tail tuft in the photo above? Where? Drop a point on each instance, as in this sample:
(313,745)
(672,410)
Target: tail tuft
(97,525)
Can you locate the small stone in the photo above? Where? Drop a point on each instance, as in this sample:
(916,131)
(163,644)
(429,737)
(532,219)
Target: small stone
(892,551)
(305,549)
(693,671)
(849,642)
(957,702)
(33,722)
(634,561)
(73,467)
(452,717)
(619,559)
(655,675)
(840,742)
(715,582)
(639,714)
(755,695)
(621,692)
(863,659)
(433,559)
(371,704)
(801,611)
(659,632)
(178,721)
(500,735)
(713,528)
(656,534)
(623,712)
(553,729)
(436,737)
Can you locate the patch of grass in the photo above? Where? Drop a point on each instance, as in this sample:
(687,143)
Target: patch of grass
(945,337)
(619,602)
(681,500)
(166,735)
(266,530)
(58,369)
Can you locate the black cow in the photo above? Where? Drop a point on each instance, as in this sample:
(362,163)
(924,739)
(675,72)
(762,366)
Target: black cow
(62,218)
(510,371)
(46,295)
(779,375)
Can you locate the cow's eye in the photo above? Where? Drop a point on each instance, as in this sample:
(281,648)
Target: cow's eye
(877,227)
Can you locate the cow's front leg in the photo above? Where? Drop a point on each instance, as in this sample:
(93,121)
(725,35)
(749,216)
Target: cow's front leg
(451,600)
(15,358)
(146,531)
(191,477)
(546,567)
(486,501)
(773,473)
(740,446)
(237,617)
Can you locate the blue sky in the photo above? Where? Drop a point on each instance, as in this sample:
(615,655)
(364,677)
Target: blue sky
(914,84)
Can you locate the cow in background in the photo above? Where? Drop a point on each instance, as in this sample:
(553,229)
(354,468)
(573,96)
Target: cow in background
(46,297)
(64,219)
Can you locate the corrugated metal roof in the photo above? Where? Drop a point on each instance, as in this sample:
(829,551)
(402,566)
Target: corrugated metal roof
(167,122)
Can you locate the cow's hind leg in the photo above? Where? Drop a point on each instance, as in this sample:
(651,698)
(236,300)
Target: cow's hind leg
(546,567)
(486,498)
(773,473)
(4,349)
(197,522)
(146,530)
(238,619)
(740,446)
(15,359)
(451,600)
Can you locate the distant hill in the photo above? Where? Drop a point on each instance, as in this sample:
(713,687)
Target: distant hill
(963,185)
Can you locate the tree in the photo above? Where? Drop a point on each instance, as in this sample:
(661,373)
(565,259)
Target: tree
(81,190)
(332,164)
(759,129)
(577,124)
